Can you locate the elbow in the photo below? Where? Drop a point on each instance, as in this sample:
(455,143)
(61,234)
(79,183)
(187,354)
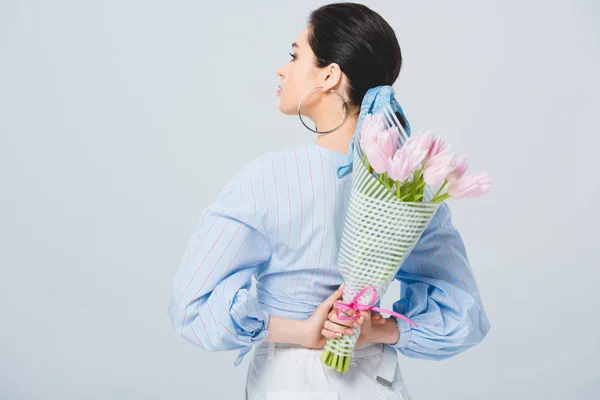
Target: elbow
(186,326)
(468,339)
(193,333)
(177,317)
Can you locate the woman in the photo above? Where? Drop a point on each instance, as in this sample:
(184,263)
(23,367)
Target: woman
(280,220)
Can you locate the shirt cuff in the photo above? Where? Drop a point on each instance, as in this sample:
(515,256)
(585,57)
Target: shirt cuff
(405,330)
(257,336)
(258,339)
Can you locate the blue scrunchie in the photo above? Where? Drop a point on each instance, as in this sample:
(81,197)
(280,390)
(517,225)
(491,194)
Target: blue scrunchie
(375,99)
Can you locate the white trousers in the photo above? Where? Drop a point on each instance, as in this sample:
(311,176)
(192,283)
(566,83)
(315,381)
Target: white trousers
(281,371)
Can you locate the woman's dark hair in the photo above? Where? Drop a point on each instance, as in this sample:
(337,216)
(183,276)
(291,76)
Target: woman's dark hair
(361,42)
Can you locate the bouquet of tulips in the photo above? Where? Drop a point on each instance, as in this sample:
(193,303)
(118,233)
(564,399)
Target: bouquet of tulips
(392,200)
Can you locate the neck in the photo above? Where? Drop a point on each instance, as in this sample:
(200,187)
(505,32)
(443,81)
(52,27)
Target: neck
(339,139)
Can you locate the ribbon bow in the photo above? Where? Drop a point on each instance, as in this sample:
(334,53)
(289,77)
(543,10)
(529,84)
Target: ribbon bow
(358,307)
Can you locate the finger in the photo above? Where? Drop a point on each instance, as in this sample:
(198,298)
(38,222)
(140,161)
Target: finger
(358,321)
(333,318)
(335,295)
(377,318)
(338,328)
(329,334)
(349,312)
(362,316)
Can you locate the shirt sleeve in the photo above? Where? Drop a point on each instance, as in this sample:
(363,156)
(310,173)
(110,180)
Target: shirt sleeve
(211,306)
(438,292)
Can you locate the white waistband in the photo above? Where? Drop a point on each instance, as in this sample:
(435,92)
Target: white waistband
(359,351)
(387,366)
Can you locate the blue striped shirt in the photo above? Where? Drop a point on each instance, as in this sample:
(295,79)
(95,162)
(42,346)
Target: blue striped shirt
(280,220)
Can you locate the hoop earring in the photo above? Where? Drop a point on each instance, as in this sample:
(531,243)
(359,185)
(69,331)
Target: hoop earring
(314,130)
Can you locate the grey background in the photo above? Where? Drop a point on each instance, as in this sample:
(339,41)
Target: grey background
(121,120)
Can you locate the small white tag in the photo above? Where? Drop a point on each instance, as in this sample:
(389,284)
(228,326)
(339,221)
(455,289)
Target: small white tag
(388,365)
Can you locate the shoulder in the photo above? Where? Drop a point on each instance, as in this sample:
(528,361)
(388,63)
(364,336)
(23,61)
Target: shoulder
(268,163)
(263,168)
(248,180)
(275,156)
(257,166)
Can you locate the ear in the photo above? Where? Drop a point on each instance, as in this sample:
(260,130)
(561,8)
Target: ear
(332,76)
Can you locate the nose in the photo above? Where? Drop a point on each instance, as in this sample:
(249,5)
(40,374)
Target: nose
(280,72)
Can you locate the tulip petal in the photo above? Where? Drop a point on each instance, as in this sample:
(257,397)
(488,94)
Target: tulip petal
(459,169)
(470,186)
(377,159)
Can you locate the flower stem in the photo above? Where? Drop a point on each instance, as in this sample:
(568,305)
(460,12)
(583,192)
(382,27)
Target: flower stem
(339,363)
(382,178)
(441,198)
(439,190)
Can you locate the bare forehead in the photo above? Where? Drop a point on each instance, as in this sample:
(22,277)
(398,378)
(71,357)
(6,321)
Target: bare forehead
(300,41)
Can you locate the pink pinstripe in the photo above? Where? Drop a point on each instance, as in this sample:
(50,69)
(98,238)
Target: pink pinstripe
(324,222)
(300,236)
(277,206)
(212,247)
(287,247)
(455,266)
(324,230)
(312,226)
(199,246)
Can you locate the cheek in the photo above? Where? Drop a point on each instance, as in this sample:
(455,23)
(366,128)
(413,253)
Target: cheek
(291,82)
(291,87)
(295,85)
(297,79)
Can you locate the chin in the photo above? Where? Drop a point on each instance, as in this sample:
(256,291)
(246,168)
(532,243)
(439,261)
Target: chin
(287,109)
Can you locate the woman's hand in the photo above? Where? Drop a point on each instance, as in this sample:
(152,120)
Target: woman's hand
(312,328)
(368,321)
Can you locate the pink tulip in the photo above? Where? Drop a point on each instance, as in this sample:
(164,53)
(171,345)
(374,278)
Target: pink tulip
(470,186)
(377,158)
(376,134)
(425,139)
(459,170)
(379,119)
(366,124)
(372,127)
(438,146)
(413,150)
(371,121)
(368,133)
(399,167)
(388,141)
(438,169)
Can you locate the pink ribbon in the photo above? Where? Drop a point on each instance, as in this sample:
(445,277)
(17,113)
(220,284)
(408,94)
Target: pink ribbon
(358,307)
